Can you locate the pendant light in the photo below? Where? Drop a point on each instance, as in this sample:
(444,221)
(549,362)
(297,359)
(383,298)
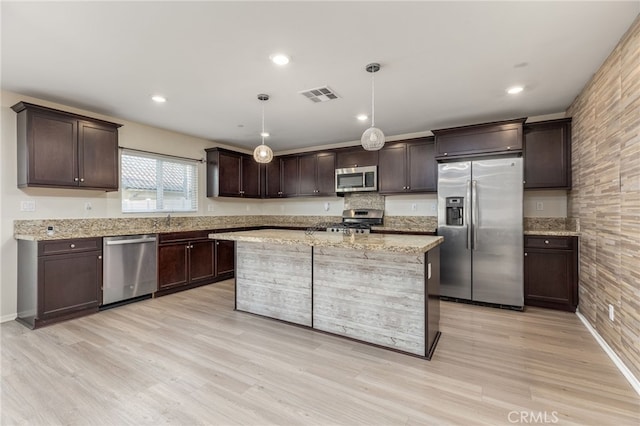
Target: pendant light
(262,153)
(372,139)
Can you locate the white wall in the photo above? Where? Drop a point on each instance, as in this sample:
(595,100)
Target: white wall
(552,203)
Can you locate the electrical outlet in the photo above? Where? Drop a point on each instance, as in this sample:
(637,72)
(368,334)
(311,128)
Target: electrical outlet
(539,206)
(210,208)
(327,206)
(88,206)
(28,206)
(414,207)
(434,207)
(612,313)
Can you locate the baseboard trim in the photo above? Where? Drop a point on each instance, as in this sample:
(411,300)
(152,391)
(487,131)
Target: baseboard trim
(633,381)
(7,318)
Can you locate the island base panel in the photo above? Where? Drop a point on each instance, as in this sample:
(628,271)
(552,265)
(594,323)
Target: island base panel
(375,297)
(274,280)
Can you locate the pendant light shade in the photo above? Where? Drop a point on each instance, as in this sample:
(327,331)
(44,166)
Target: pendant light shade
(372,139)
(262,153)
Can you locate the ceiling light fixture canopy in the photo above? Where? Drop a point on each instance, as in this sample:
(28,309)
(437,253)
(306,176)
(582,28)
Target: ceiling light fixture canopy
(372,139)
(262,153)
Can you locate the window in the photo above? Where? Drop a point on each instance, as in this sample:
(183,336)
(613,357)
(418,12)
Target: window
(153,183)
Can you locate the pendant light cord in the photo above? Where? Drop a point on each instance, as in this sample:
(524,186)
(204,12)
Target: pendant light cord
(373,108)
(262,134)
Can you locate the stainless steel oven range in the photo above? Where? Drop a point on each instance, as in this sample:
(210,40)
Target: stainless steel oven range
(357,221)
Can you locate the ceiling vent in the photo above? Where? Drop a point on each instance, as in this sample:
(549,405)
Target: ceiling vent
(320,94)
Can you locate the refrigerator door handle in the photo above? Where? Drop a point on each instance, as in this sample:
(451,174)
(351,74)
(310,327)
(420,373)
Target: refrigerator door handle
(474,208)
(467,214)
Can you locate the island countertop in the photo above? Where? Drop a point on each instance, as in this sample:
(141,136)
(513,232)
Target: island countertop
(368,242)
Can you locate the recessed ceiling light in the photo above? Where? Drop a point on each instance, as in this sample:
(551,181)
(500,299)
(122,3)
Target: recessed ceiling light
(279,59)
(159,99)
(264,134)
(362,117)
(515,90)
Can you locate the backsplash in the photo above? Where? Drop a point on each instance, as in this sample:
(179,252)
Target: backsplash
(552,224)
(364,200)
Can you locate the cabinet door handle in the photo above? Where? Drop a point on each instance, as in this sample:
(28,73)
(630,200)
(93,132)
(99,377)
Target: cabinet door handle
(546,241)
(217,243)
(99,257)
(72,245)
(525,255)
(76,179)
(81,179)
(408,187)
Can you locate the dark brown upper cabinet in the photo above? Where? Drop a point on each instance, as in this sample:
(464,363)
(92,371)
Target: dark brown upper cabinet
(355,157)
(232,174)
(547,154)
(58,149)
(316,173)
(479,139)
(407,166)
(273,179)
(290,180)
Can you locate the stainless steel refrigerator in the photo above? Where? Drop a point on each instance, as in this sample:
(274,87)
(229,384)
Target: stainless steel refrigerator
(480,218)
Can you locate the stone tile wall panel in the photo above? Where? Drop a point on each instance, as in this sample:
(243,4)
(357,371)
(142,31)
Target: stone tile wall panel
(606,197)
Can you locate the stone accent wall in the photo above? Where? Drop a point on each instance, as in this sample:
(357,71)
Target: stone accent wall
(606,197)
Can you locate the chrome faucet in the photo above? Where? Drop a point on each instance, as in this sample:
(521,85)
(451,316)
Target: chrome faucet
(168,221)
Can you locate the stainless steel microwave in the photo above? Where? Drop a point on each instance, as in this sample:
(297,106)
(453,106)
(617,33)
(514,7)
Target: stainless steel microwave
(357,179)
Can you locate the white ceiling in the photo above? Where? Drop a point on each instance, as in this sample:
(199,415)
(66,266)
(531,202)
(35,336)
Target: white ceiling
(443,63)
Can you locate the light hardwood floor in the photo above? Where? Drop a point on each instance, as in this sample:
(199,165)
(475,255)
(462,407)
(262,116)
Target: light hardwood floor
(189,359)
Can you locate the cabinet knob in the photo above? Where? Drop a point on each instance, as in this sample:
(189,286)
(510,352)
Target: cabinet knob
(217,243)
(99,257)
(81,179)
(446,153)
(72,245)
(408,187)
(76,179)
(508,148)
(525,255)
(546,241)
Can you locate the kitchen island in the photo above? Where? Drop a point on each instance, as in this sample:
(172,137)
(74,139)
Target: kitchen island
(379,289)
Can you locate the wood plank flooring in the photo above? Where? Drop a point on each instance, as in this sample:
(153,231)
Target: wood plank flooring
(189,359)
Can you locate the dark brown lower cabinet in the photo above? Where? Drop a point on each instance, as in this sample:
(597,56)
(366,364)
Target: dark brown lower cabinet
(189,259)
(58,280)
(551,272)
(225,258)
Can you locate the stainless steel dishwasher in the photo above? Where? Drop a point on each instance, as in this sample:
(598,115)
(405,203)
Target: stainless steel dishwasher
(129,267)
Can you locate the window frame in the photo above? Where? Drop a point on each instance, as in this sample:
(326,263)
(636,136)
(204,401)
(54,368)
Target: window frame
(190,182)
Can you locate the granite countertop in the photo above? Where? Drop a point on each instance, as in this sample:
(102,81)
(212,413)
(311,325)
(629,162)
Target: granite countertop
(409,244)
(410,229)
(552,232)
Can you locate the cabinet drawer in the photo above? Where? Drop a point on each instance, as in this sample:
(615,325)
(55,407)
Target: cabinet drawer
(69,246)
(548,242)
(175,237)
